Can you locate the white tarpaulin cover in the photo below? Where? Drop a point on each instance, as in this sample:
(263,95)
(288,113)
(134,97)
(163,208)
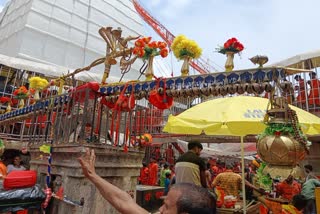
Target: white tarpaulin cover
(51,70)
(48,70)
(224,149)
(308,60)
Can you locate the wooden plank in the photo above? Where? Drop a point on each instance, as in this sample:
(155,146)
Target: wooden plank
(317,195)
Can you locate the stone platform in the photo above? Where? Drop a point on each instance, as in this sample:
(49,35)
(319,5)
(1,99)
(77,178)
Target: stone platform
(116,166)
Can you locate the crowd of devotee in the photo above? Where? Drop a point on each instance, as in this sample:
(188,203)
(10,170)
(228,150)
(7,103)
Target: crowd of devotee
(288,195)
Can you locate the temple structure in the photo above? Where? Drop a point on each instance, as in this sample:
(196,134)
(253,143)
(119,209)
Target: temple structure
(65,33)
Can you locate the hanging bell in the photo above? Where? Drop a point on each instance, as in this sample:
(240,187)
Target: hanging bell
(223,90)
(286,86)
(189,92)
(175,93)
(257,88)
(231,89)
(248,88)
(143,94)
(169,92)
(239,88)
(196,91)
(205,91)
(267,87)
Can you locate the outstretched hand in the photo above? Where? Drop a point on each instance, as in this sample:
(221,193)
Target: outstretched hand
(87,163)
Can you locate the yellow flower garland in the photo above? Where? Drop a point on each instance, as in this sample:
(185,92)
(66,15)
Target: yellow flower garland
(38,83)
(182,46)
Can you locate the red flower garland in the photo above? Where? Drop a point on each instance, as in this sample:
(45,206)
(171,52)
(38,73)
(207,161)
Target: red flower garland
(231,45)
(5,100)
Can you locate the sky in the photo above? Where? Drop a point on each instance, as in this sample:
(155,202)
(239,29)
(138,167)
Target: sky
(276,28)
(2,2)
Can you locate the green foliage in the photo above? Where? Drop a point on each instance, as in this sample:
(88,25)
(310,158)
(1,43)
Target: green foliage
(150,52)
(184,52)
(265,181)
(285,129)
(222,50)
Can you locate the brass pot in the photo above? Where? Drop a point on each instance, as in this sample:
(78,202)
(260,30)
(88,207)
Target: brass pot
(224,91)
(169,92)
(286,86)
(257,88)
(283,172)
(239,88)
(213,90)
(205,91)
(143,94)
(248,88)
(160,90)
(267,87)
(231,89)
(114,98)
(280,150)
(189,92)
(175,92)
(196,91)
(182,92)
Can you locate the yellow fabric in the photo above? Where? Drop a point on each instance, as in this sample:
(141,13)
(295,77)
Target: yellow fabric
(290,209)
(45,149)
(237,116)
(187,172)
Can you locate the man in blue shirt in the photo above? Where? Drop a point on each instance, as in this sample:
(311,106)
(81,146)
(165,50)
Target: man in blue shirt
(167,183)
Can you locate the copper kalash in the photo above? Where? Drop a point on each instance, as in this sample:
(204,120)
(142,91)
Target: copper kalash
(285,146)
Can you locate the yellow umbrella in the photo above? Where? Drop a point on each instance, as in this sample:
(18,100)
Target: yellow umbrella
(236,116)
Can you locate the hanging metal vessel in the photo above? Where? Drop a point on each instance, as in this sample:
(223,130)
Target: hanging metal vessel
(280,150)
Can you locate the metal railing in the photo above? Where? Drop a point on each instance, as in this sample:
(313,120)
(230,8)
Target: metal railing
(79,116)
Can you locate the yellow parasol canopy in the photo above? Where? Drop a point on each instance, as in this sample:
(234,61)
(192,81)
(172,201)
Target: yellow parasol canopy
(236,116)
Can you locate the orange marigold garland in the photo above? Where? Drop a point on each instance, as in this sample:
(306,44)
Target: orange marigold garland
(21,93)
(145,48)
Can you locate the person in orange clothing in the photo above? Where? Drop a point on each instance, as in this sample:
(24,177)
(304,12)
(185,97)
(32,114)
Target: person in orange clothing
(314,91)
(3,170)
(144,174)
(228,181)
(3,167)
(295,206)
(214,169)
(288,188)
(169,155)
(300,88)
(153,173)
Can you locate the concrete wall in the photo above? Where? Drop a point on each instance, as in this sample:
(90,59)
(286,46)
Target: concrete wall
(117,167)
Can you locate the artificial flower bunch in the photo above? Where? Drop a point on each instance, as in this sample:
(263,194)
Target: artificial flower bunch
(38,83)
(145,48)
(231,45)
(21,93)
(183,47)
(5,100)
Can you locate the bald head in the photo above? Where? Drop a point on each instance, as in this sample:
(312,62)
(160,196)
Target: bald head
(194,199)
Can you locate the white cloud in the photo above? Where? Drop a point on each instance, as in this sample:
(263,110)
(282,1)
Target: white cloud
(1,7)
(267,27)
